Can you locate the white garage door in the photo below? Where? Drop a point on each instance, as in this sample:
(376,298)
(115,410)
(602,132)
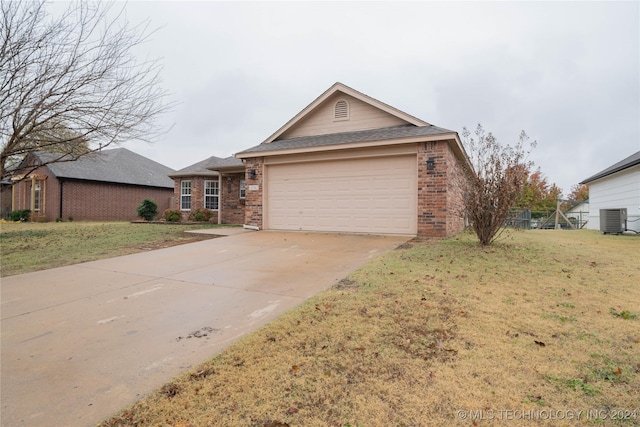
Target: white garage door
(371,195)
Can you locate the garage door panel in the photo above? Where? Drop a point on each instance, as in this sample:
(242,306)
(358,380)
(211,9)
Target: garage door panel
(374,195)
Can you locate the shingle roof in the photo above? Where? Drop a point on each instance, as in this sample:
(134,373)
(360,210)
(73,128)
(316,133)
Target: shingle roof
(117,165)
(204,167)
(393,132)
(632,160)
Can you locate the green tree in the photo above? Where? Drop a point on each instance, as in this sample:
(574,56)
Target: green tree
(579,192)
(538,195)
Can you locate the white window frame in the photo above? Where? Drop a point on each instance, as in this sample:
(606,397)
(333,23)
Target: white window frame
(211,195)
(185,194)
(37,196)
(243,189)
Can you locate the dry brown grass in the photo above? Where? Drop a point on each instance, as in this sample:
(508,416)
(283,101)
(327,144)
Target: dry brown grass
(541,321)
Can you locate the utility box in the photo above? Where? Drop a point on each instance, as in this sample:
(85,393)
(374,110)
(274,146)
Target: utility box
(613,221)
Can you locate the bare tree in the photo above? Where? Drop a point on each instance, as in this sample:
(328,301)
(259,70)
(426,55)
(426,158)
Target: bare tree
(70,84)
(495,183)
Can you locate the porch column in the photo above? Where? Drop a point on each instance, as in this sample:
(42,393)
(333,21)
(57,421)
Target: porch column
(219,198)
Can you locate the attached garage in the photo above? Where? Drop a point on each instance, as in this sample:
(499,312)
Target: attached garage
(350,163)
(363,195)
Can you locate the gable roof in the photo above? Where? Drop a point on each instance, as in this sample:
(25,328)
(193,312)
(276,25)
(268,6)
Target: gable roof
(208,167)
(372,135)
(339,87)
(632,160)
(117,165)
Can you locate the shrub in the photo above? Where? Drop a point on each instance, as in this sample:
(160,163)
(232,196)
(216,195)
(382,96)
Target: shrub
(20,215)
(200,215)
(148,210)
(172,215)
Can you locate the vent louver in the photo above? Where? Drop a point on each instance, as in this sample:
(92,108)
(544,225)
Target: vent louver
(613,221)
(341,110)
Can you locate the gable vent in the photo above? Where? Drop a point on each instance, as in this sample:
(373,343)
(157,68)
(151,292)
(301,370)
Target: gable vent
(341,110)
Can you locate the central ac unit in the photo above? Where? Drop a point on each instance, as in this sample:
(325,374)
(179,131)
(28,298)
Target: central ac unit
(613,221)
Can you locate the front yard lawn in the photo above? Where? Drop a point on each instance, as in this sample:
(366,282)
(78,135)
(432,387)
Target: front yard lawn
(26,247)
(543,328)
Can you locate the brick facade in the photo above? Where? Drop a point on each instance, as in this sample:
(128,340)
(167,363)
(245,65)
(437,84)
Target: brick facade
(85,200)
(253,210)
(233,206)
(440,208)
(440,212)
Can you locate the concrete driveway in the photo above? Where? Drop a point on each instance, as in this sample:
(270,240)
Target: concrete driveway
(79,343)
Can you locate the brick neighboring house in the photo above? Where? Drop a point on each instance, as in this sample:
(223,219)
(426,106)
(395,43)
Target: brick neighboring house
(215,184)
(107,185)
(350,163)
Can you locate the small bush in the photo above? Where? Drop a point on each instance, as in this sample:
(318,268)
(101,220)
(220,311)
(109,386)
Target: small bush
(200,215)
(172,215)
(148,210)
(70,218)
(20,215)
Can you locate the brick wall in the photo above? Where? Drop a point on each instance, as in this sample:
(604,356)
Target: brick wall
(440,212)
(5,201)
(253,210)
(49,195)
(439,199)
(456,221)
(86,200)
(232,205)
(109,202)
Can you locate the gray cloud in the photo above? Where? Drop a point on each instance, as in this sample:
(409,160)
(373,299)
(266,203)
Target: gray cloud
(566,72)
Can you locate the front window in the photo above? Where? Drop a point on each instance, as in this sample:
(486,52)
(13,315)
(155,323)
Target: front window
(211,195)
(185,195)
(243,189)
(36,197)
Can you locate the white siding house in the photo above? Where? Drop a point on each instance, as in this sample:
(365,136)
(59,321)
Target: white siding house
(618,186)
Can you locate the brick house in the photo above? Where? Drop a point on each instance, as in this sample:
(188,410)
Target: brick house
(350,163)
(215,184)
(345,163)
(107,185)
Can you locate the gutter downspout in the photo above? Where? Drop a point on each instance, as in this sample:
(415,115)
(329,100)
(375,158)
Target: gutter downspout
(219,198)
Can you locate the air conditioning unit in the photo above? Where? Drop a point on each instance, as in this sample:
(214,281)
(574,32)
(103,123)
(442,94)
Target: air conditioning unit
(613,221)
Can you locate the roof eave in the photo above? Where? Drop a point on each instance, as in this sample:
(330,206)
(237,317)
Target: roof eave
(352,145)
(609,173)
(192,174)
(228,169)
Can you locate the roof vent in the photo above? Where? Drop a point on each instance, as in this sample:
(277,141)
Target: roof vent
(341,111)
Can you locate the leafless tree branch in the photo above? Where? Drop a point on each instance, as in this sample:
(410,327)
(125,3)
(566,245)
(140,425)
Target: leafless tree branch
(76,71)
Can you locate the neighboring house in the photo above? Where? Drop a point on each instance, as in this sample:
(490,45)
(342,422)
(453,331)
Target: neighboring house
(618,186)
(350,163)
(580,214)
(215,184)
(5,198)
(105,186)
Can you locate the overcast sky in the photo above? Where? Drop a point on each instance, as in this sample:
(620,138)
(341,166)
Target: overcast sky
(568,73)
